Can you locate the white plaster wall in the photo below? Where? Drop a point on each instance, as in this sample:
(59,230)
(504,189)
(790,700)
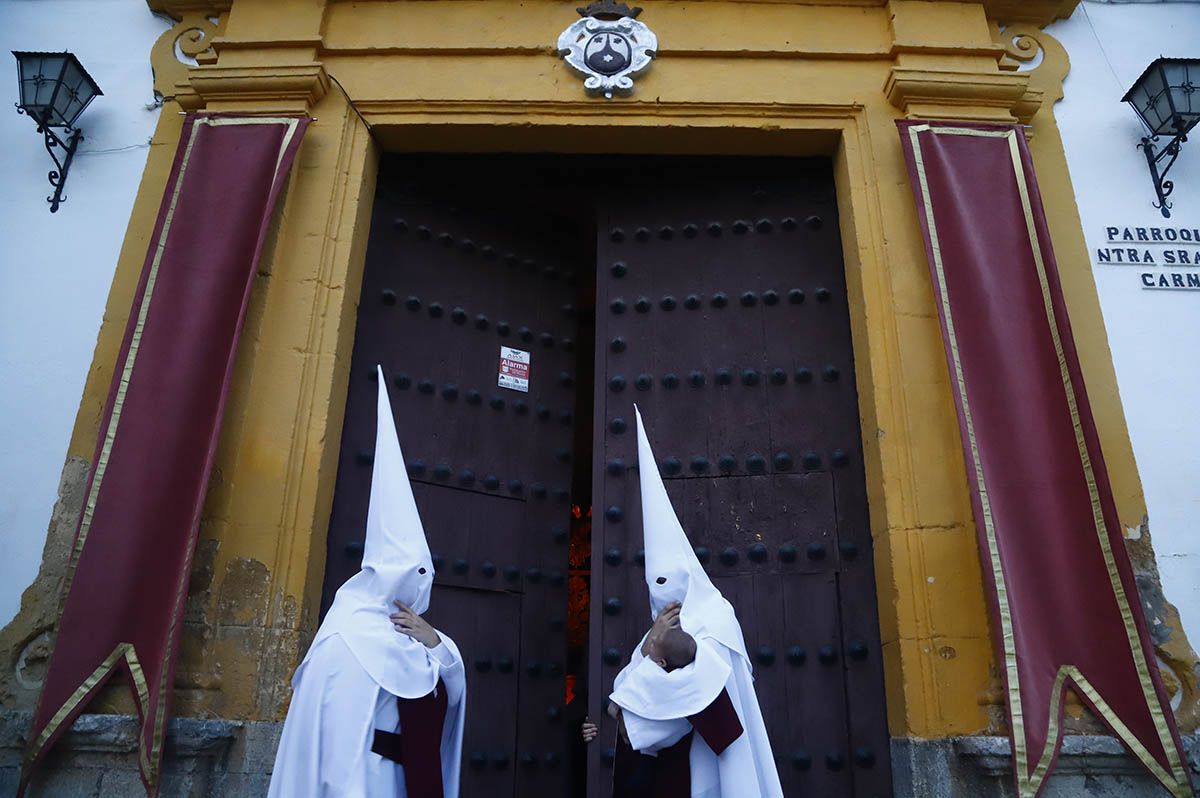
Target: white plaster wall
(55,270)
(1154,335)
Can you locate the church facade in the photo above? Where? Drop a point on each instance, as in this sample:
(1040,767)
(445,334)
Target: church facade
(731,241)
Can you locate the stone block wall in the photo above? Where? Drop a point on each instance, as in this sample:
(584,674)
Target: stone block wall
(233,759)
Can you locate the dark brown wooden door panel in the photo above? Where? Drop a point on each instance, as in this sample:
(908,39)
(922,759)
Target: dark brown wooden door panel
(721,309)
(815,689)
(449,279)
(486,625)
(742,515)
(722,312)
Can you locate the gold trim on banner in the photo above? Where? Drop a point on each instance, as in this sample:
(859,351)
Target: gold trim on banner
(1076,676)
(123,651)
(1010,660)
(151,762)
(1102,535)
(148,762)
(1029,783)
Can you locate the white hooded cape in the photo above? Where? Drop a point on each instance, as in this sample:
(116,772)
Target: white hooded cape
(655,703)
(358,664)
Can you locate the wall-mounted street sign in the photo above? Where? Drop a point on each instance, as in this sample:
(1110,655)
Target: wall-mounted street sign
(1166,258)
(608,47)
(514,369)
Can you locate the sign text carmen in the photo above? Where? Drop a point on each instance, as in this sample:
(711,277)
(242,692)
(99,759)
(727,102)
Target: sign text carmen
(1158,247)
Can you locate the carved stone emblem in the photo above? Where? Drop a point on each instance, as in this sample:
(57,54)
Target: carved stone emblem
(608,47)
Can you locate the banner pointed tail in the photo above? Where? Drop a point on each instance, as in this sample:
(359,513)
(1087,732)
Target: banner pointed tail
(1062,592)
(128,571)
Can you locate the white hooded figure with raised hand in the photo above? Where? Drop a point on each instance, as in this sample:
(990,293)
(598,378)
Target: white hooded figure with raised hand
(690,724)
(378,702)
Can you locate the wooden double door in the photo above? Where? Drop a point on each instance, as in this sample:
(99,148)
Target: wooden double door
(712,294)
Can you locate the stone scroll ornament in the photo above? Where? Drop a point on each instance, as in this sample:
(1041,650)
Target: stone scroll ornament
(608,47)
(128,572)
(1064,602)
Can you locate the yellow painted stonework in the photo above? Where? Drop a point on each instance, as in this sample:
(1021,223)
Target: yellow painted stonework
(731,78)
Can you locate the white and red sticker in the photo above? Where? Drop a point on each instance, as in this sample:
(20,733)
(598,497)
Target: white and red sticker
(514,369)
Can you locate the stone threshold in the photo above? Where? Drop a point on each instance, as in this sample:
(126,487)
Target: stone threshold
(211,757)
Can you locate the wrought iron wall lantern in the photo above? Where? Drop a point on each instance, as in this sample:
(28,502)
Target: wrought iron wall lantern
(1165,99)
(55,88)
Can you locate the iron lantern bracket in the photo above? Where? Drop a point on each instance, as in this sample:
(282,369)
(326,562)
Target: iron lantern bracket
(58,175)
(1154,158)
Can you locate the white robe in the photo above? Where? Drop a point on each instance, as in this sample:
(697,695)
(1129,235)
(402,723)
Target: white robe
(656,704)
(325,748)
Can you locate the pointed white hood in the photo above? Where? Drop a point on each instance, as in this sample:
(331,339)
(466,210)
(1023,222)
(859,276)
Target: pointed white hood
(396,565)
(672,571)
(395,554)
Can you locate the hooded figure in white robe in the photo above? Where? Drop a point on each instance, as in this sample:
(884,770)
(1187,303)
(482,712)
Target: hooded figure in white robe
(661,708)
(365,687)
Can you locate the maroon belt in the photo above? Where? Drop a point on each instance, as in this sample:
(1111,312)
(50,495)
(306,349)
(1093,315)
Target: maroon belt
(418,748)
(388,745)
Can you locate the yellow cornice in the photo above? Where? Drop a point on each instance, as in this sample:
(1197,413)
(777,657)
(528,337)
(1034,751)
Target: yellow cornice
(270,87)
(222,43)
(946,94)
(176,9)
(260,73)
(1036,12)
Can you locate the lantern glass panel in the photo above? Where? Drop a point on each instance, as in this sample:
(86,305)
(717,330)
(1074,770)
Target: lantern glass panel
(1155,100)
(54,87)
(38,75)
(1165,96)
(76,92)
(1181,76)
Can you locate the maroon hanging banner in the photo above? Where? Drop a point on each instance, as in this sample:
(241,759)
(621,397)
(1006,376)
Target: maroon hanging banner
(1065,606)
(128,571)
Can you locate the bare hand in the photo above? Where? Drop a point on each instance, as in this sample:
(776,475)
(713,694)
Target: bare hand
(589,730)
(408,622)
(669,617)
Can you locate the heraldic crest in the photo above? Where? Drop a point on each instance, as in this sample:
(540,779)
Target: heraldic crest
(608,47)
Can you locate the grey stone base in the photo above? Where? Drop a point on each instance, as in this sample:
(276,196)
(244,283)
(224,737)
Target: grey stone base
(981,767)
(98,758)
(233,759)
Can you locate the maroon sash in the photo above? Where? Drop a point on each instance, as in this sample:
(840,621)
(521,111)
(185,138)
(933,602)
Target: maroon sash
(718,723)
(669,773)
(418,746)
